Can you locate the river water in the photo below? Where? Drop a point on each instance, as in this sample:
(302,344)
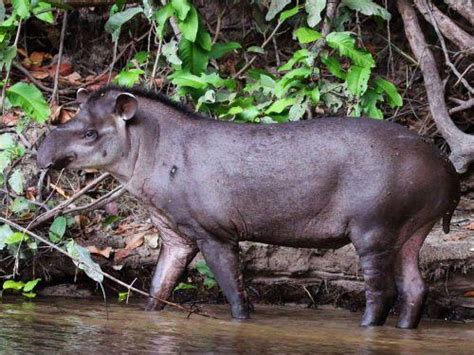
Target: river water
(81,326)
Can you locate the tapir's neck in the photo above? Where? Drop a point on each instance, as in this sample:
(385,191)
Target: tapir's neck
(143,139)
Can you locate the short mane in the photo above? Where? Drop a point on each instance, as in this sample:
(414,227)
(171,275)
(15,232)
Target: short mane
(148,94)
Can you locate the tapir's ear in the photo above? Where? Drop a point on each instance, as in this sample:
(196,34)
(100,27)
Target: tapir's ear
(126,105)
(82,95)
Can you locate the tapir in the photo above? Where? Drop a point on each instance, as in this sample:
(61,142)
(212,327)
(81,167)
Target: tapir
(318,183)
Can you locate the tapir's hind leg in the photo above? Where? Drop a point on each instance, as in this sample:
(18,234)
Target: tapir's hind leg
(410,285)
(377,260)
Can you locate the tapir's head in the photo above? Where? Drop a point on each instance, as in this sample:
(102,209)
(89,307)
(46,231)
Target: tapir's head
(96,137)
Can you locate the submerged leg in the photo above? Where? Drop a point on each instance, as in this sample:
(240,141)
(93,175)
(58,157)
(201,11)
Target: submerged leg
(410,284)
(376,250)
(380,292)
(175,255)
(223,260)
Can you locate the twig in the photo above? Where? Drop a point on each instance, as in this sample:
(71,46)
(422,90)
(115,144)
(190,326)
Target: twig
(103,200)
(14,195)
(114,60)
(38,83)
(54,96)
(61,207)
(462,105)
(4,89)
(434,23)
(106,275)
(155,64)
(264,44)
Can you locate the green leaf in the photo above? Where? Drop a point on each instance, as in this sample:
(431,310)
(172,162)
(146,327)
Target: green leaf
(367,7)
(15,238)
(170,51)
(256,49)
(2,11)
(6,56)
(46,16)
(369,104)
(128,78)
(186,79)
(184,286)
(30,100)
(210,283)
(5,160)
(334,66)
(314,9)
(85,262)
(17,181)
(190,25)
(275,8)
(30,285)
(302,55)
(57,229)
(194,58)
(345,45)
(182,8)
(5,233)
(307,35)
(281,104)
(19,205)
(7,141)
(298,109)
(29,294)
(111,220)
(162,16)
(394,98)
(22,8)
(13,285)
(116,21)
(203,38)
(285,15)
(219,50)
(314,94)
(357,79)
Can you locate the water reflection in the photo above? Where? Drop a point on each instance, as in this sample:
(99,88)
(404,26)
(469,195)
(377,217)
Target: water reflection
(82,326)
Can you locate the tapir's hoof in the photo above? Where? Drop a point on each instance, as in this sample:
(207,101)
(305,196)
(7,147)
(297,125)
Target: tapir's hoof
(240,312)
(407,324)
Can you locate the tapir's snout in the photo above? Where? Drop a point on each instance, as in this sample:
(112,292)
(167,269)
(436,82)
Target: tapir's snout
(51,155)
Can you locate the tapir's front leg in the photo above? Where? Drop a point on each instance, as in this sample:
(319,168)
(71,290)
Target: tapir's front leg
(175,254)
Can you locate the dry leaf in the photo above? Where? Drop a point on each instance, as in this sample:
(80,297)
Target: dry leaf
(81,220)
(31,193)
(104,252)
(470,226)
(64,69)
(73,79)
(58,190)
(66,115)
(469,294)
(152,240)
(37,58)
(135,241)
(9,119)
(39,74)
(121,254)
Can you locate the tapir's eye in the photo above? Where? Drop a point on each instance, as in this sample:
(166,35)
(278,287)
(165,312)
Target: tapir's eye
(90,134)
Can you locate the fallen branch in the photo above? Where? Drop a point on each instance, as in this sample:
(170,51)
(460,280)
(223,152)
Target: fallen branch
(62,206)
(461,144)
(106,275)
(463,9)
(448,27)
(462,105)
